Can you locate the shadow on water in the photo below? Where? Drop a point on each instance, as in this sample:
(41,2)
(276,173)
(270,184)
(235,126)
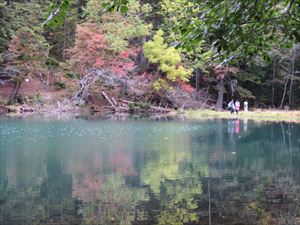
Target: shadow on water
(159,171)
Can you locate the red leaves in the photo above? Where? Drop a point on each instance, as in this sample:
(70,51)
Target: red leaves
(89,36)
(122,64)
(91,50)
(185,87)
(99,63)
(121,68)
(124,55)
(133,52)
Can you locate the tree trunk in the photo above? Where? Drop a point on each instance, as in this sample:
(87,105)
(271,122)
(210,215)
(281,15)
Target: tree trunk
(291,78)
(198,75)
(221,90)
(273,84)
(143,62)
(64,42)
(290,94)
(285,85)
(284,93)
(15,92)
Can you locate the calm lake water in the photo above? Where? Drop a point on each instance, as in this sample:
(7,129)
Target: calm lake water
(89,172)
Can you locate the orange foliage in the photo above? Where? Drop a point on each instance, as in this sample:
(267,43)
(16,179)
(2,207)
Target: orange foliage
(185,87)
(90,49)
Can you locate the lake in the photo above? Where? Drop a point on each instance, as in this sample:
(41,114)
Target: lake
(142,172)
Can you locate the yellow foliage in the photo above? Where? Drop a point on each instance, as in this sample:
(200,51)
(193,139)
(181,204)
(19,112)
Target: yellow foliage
(161,84)
(168,59)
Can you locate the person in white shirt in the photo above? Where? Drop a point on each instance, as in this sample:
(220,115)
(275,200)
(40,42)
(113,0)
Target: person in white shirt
(246,106)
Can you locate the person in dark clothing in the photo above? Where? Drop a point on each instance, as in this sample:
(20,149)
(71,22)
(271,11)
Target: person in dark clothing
(231,106)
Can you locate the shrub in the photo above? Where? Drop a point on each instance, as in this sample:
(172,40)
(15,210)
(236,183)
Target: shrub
(59,85)
(37,98)
(138,106)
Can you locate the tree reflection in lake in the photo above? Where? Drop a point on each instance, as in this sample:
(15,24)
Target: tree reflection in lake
(142,172)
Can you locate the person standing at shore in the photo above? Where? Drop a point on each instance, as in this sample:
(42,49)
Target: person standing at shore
(237,106)
(246,106)
(231,106)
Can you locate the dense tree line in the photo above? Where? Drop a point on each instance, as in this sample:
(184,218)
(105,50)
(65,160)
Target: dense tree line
(239,49)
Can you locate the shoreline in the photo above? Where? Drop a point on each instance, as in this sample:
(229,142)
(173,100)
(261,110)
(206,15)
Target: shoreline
(256,115)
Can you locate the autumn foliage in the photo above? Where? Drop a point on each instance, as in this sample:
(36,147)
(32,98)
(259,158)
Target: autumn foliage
(168,59)
(27,53)
(187,88)
(124,63)
(91,50)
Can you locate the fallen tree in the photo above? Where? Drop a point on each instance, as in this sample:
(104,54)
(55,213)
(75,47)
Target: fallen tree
(139,97)
(131,106)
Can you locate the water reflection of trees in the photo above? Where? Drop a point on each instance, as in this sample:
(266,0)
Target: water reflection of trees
(247,181)
(254,186)
(36,194)
(212,174)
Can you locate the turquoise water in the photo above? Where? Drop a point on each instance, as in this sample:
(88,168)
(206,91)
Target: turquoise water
(174,172)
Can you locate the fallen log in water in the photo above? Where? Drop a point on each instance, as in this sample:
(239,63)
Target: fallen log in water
(108,99)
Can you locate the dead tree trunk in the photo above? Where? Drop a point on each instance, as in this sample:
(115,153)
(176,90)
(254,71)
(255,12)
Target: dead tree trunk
(289,69)
(284,92)
(85,83)
(111,102)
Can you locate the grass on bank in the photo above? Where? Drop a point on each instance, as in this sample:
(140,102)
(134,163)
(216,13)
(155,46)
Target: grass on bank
(263,115)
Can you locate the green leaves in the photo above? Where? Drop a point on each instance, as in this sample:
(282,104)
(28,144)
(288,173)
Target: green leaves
(243,28)
(197,57)
(123,9)
(57,13)
(116,5)
(118,29)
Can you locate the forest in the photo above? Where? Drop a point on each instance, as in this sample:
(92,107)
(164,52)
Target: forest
(141,55)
